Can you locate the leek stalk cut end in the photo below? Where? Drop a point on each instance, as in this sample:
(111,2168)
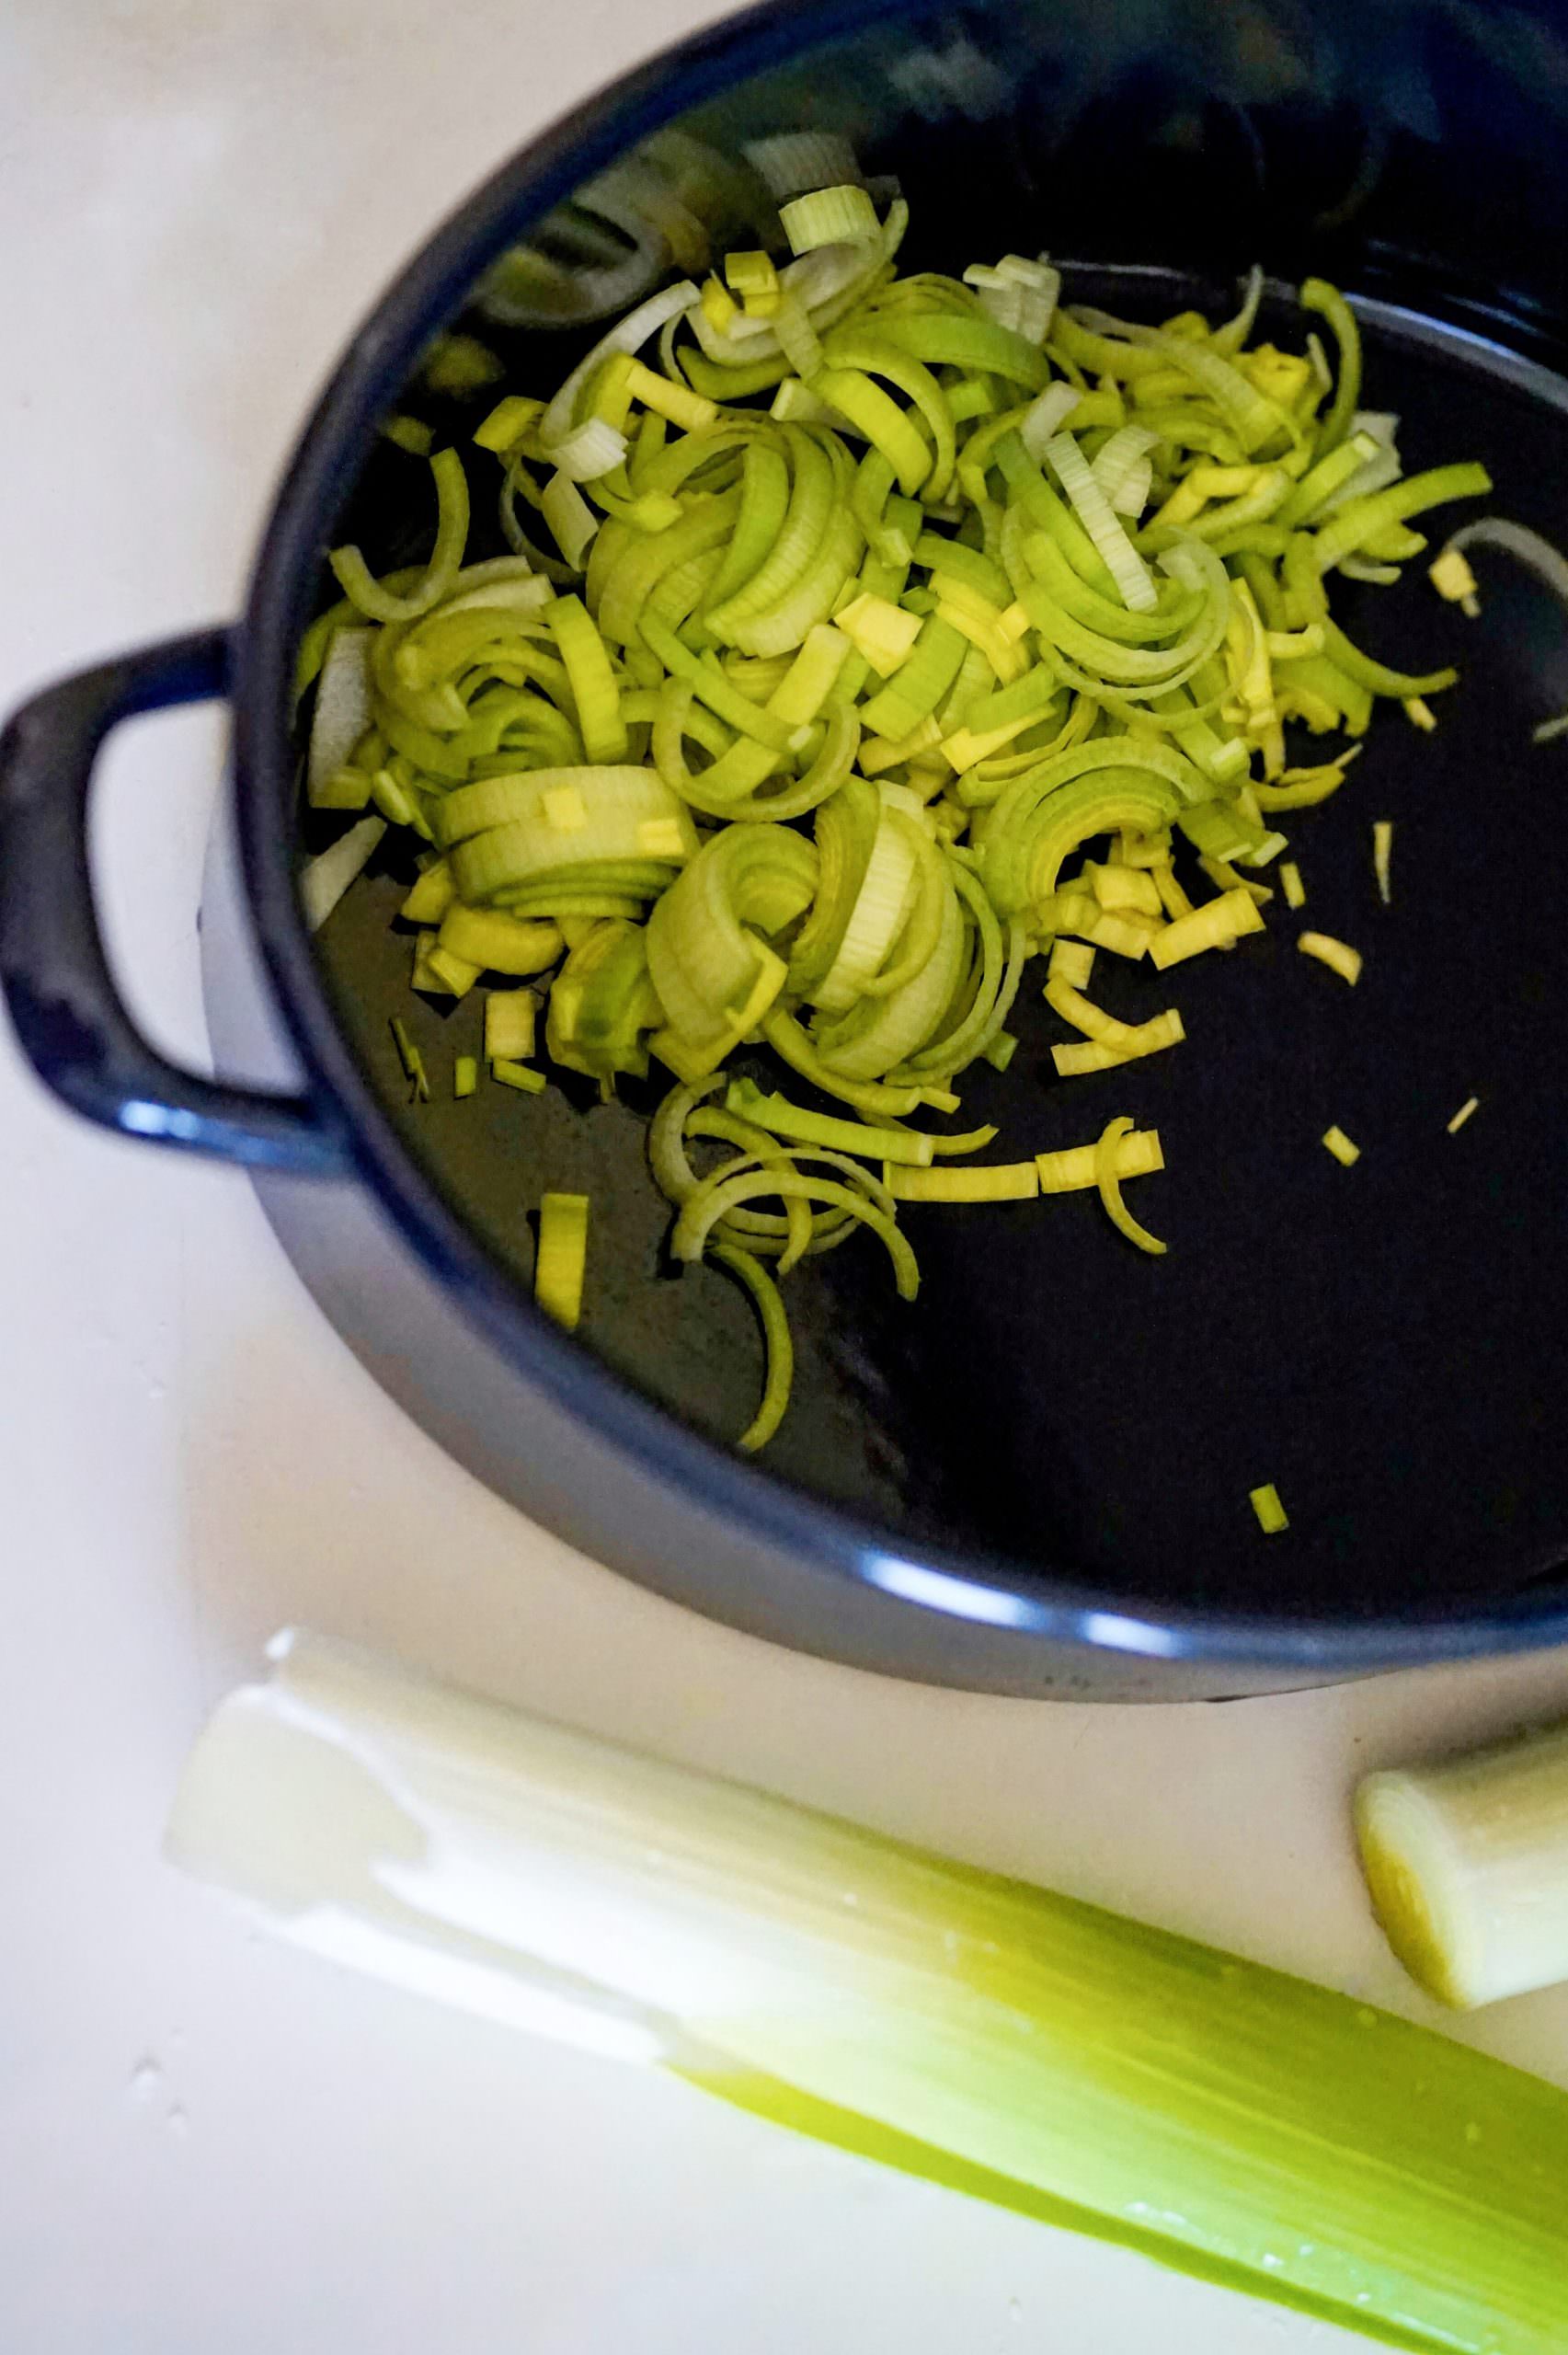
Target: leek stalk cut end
(1467,1862)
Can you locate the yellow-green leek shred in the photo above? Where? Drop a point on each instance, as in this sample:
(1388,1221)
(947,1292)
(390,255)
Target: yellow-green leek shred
(413,1061)
(1344,1151)
(1471,1106)
(1383,854)
(779,1347)
(563,1257)
(1074,1168)
(464,1075)
(1015,1181)
(1213,925)
(1337,955)
(1290,883)
(524,1077)
(1272,1515)
(1107,1159)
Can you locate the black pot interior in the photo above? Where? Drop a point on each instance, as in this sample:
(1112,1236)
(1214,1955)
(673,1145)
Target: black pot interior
(1384,1343)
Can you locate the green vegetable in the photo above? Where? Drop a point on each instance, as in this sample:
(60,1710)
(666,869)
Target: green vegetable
(563,1254)
(1466,1862)
(869,615)
(1229,2119)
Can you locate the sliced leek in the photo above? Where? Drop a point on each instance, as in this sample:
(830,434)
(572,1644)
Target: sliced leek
(863,636)
(1271,1516)
(1337,955)
(562,1261)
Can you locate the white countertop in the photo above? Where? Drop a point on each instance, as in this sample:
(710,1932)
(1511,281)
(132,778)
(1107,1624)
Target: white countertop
(208,2141)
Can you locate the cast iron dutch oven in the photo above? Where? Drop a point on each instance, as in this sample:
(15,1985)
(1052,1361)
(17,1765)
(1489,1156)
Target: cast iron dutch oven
(1035,1480)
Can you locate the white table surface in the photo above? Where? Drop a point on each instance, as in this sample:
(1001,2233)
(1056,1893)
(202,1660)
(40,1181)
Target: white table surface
(208,2141)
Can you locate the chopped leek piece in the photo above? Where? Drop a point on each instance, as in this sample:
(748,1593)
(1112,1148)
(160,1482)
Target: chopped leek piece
(1467,1862)
(499,944)
(1074,1169)
(1337,955)
(1340,1146)
(431,896)
(1272,1515)
(343,714)
(1106,1177)
(1072,961)
(563,1255)
(775,1321)
(1471,1106)
(1001,1052)
(1128,933)
(522,1076)
(456,975)
(1124,1043)
(1017,1182)
(1214,925)
(829,216)
(1382,852)
(883,632)
(1451,577)
(1103,526)
(1290,883)
(784,1119)
(325,879)
(413,1061)
(464,1075)
(511,1019)
(508,422)
(1419,714)
(1118,887)
(373,597)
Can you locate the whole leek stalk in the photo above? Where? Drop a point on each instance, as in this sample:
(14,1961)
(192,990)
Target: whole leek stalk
(1233,2121)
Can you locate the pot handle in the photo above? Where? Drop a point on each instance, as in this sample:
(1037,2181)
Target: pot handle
(68,1015)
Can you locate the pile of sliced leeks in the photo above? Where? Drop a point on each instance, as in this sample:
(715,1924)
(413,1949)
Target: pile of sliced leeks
(851,614)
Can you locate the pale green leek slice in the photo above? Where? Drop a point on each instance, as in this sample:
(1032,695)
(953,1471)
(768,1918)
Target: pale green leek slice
(1215,926)
(774,1320)
(562,1262)
(1074,1169)
(373,597)
(1343,1150)
(786,1119)
(1013,1181)
(1337,955)
(1108,1179)
(1272,1515)
(325,879)
(1382,856)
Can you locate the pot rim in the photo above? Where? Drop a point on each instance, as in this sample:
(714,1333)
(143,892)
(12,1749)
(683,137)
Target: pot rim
(1021,1607)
